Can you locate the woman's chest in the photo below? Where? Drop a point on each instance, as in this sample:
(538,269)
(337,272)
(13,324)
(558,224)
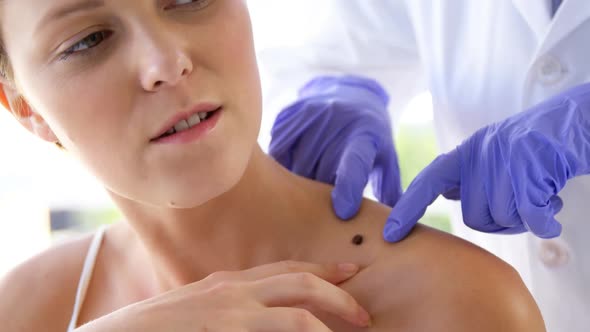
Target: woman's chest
(114,285)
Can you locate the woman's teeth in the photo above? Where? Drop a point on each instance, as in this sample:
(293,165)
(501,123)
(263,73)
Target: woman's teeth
(194,119)
(183,125)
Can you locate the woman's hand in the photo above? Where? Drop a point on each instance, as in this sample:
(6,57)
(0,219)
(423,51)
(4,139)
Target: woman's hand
(260,299)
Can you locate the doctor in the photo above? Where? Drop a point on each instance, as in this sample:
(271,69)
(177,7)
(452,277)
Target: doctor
(515,68)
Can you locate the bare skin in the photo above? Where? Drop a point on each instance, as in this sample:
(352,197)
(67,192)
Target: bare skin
(214,204)
(429,282)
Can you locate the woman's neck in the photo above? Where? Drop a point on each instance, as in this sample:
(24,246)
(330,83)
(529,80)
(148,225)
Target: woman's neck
(263,218)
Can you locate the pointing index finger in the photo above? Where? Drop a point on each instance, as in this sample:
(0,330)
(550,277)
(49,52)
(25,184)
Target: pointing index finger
(442,175)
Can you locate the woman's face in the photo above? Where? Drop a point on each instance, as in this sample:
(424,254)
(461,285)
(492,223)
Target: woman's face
(109,76)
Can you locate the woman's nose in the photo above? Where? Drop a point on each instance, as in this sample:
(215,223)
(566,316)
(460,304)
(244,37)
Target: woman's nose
(165,65)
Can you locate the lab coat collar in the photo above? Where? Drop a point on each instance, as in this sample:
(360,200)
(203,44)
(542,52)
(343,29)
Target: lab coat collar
(570,16)
(537,14)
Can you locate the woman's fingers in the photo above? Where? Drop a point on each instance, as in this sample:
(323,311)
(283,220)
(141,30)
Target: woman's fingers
(259,299)
(278,287)
(286,320)
(295,289)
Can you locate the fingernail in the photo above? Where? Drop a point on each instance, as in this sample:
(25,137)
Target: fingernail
(365,318)
(348,267)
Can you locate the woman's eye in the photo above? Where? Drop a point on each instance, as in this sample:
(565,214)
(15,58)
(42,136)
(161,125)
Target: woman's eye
(198,4)
(90,41)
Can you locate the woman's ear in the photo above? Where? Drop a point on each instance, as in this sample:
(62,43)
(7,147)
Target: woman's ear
(12,101)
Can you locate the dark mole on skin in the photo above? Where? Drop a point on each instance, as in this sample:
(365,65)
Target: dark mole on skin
(357,240)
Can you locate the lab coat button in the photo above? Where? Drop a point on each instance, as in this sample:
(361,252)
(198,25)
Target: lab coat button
(553,253)
(550,70)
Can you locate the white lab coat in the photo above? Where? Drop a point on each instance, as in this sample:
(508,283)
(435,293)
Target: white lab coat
(482,60)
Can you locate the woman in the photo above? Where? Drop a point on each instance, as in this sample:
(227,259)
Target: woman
(161,100)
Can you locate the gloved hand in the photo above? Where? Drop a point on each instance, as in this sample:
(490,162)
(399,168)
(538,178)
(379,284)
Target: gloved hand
(339,132)
(508,174)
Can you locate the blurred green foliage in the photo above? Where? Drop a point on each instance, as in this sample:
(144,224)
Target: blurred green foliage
(92,218)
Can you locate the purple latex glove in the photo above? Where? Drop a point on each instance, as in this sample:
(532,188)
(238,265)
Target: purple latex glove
(339,132)
(508,174)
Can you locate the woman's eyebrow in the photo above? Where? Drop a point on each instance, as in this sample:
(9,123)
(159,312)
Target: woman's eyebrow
(69,9)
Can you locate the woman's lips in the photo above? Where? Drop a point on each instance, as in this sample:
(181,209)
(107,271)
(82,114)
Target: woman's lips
(199,108)
(193,133)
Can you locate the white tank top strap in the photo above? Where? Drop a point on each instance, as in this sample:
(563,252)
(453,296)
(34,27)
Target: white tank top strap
(86,275)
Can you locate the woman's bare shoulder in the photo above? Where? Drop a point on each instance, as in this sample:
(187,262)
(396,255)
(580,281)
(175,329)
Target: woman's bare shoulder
(39,294)
(434,281)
